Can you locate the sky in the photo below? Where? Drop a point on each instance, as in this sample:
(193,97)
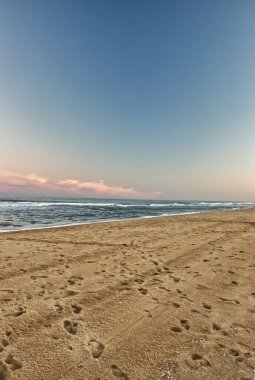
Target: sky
(128,98)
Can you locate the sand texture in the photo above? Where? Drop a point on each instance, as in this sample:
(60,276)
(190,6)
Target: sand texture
(153,299)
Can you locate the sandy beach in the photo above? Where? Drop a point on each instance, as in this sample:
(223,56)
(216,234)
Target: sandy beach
(152,299)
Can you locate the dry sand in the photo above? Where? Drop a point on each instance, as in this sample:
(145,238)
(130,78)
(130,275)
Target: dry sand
(164,298)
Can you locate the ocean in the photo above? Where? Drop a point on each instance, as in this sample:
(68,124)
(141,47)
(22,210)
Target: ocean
(17,214)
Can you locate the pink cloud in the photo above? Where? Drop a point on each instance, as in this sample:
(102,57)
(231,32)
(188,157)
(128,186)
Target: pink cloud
(9,179)
(98,187)
(32,181)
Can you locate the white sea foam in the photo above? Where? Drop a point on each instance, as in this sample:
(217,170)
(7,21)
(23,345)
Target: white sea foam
(47,204)
(174,204)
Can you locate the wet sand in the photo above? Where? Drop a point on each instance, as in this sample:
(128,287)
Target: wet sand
(153,299)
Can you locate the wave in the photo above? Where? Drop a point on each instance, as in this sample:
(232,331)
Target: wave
(5,224)
(174,204)
(48,204)
(88,204)
(188,205)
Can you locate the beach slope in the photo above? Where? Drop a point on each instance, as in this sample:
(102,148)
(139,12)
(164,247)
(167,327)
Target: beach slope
(152,299)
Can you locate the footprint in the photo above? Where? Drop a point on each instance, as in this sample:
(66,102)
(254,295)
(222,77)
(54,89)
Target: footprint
(196,357)
(201,360)
(139,280)
(234,352)
(117,372)
(96,348)
(70,293)
(3,372)
(216,327)
(185,324)
(13,363)
(70,327)
(202,287)
(16,313)
(195,311)
(5,342)
(55,337)
(143,291)
(76,309)
(206,306)
(176,329)
(148,313)
(59,307)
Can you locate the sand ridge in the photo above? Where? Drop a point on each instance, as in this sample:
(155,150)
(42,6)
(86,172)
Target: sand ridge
(157,299)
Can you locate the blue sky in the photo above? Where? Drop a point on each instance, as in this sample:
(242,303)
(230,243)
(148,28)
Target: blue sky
(152,97)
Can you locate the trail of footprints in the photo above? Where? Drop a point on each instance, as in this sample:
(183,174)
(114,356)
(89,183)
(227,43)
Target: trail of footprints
(95,347)
(9,363)
(195,360)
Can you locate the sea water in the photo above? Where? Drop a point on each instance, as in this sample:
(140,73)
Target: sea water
(18,214)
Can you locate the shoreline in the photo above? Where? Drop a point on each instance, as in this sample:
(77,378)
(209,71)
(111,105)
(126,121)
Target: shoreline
(100,221)
(149,298)
(120,220)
